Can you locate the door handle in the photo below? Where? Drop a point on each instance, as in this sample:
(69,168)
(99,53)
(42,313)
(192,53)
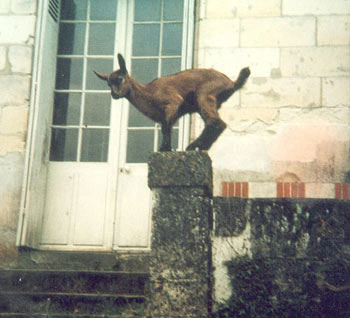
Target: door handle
(125,169)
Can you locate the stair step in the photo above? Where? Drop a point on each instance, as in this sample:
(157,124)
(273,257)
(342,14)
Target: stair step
(84,282)
(63,293)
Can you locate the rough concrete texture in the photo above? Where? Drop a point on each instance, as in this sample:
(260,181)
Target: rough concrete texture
(297,262)
(186,169)
(180,263)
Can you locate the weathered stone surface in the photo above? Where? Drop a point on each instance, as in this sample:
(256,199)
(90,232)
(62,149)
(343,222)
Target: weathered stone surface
(272,32)
(218,33)
(16,29)
(295,263)
(24,6)
(317,7)
(305,61)
(174,169)
(13,120)
(333,30)
(281,92)
(3,57)
(15,89)
(335,91)
(180,263)
(20,59)
(5,6)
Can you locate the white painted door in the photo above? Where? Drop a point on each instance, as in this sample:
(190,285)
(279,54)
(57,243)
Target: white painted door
(97,196)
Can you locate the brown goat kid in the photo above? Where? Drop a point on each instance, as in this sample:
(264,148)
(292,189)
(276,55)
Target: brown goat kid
(166,99)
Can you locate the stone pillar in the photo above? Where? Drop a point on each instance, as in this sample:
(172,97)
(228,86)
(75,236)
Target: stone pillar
(180,265)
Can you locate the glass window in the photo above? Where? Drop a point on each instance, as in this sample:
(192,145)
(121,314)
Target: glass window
(81,115)
(140,145)
(64,143)
(156,52)
(67,109)
(144,70)
(74,9)
(101,39)
(97,109)
(95,145)
(146,40)
(69,74)
(149,10)
(71,38)
(103,10)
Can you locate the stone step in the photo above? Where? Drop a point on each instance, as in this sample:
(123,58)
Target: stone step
(68,292)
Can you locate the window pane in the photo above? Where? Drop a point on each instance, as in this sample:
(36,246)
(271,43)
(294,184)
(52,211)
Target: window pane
(171,66)
(146,40)
(172,39)
(140,145)
(69,73)
(64,144)
(99,65)
(147,10)
(173,10)
(103,10)
(73,9)
(144,70)
(71,38)
(67,109)
(137,119)
(101,39)
(97,109)
(95,145)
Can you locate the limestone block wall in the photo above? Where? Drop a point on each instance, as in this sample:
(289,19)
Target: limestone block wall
(17,25)
(291,123)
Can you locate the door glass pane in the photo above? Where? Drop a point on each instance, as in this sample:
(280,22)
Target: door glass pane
(172,39)
(95,145)
(173,10)
(146,40)
(101,39)
(140,145)
(97,109)
(137,119)
(71,38)
(103,10)
(144,70)
(99,65)
(171,66)
(147,10)
(73,9)
(67,109)
(64,144)
(69,73)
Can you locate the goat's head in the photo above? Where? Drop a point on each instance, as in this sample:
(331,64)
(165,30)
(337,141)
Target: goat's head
(118,81)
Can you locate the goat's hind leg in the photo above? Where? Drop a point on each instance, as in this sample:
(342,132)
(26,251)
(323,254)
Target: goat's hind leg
(214,125)
(210,134)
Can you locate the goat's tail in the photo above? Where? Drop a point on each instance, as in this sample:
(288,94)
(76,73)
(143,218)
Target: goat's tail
(242,78)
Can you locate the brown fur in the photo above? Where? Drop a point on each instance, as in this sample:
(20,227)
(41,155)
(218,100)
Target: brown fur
(166,99)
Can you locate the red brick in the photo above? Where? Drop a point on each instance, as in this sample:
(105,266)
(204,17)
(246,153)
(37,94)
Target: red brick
(338,191)
(224,188)
(245,190)
(286,189)
(279,190)
(230,189)
(238,189)
(345,191)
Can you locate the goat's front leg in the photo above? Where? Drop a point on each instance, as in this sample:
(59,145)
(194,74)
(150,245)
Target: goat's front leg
(166,138)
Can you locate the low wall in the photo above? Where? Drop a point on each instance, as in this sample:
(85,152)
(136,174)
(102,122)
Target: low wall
(281,257)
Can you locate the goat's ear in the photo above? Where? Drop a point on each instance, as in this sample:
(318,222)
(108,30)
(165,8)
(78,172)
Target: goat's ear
(102,76)
(122,64)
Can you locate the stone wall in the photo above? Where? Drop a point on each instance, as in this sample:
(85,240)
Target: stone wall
(17,25)
(281,258)
(291,122)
